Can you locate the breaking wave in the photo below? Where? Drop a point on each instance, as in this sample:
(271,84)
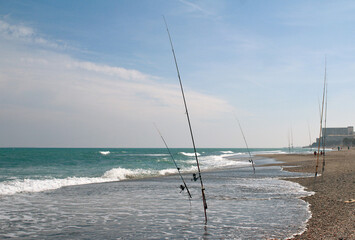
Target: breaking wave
(220,161)
(29,185)
(38,185)
(227,152)
(105,152)
(146,154)
(189,154)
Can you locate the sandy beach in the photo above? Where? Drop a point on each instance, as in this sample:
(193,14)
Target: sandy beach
(333,212)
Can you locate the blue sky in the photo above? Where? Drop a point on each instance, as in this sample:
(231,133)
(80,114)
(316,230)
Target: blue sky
(99,73)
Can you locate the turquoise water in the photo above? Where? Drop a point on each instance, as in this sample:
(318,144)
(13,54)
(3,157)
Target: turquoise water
(38,169)
(134,194)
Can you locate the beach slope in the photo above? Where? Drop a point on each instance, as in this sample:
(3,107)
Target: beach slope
(332,205)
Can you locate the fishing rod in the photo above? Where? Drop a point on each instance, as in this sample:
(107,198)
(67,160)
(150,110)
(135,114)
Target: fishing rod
(182,187)
(325,127)
(321,122)
(188,120)
(251,159)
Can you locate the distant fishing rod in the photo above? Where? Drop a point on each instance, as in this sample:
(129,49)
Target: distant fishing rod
(250,158)
(321,123)
(188,120)
(325,126)
(182,187)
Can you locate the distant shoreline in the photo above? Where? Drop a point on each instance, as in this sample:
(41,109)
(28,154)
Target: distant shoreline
(333,217)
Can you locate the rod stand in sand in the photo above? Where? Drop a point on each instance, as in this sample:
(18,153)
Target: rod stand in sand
(189,123)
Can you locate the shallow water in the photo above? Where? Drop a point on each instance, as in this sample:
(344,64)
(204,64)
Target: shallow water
(240,206)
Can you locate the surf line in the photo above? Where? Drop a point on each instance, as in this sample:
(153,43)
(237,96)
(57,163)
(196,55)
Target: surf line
(182,187)
(246,144)
(189,122)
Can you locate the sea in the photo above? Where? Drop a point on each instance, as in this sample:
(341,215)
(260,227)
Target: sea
(135,193)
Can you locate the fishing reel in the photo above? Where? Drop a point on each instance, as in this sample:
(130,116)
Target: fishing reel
(182,187)
(194,177)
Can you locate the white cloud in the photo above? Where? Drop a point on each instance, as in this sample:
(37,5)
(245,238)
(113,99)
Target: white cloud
(66,100)
(26,34)
(193,7)
(16,31)
(122,73)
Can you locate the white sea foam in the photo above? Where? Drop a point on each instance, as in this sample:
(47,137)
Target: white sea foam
(123,173)
(116,174)
(168,171)
(275,185)
(220,161)
(39,185)
(36,185)
(227,152)
(272,152)
(304,224)
(14,186)
(189,154)
(105,152)
(164,160)
(147,154)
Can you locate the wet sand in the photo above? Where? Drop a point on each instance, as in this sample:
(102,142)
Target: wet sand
(333,212)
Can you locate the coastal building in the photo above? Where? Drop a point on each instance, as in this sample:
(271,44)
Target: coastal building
(336,136)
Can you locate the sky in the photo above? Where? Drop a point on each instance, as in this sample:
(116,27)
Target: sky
(101,73)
